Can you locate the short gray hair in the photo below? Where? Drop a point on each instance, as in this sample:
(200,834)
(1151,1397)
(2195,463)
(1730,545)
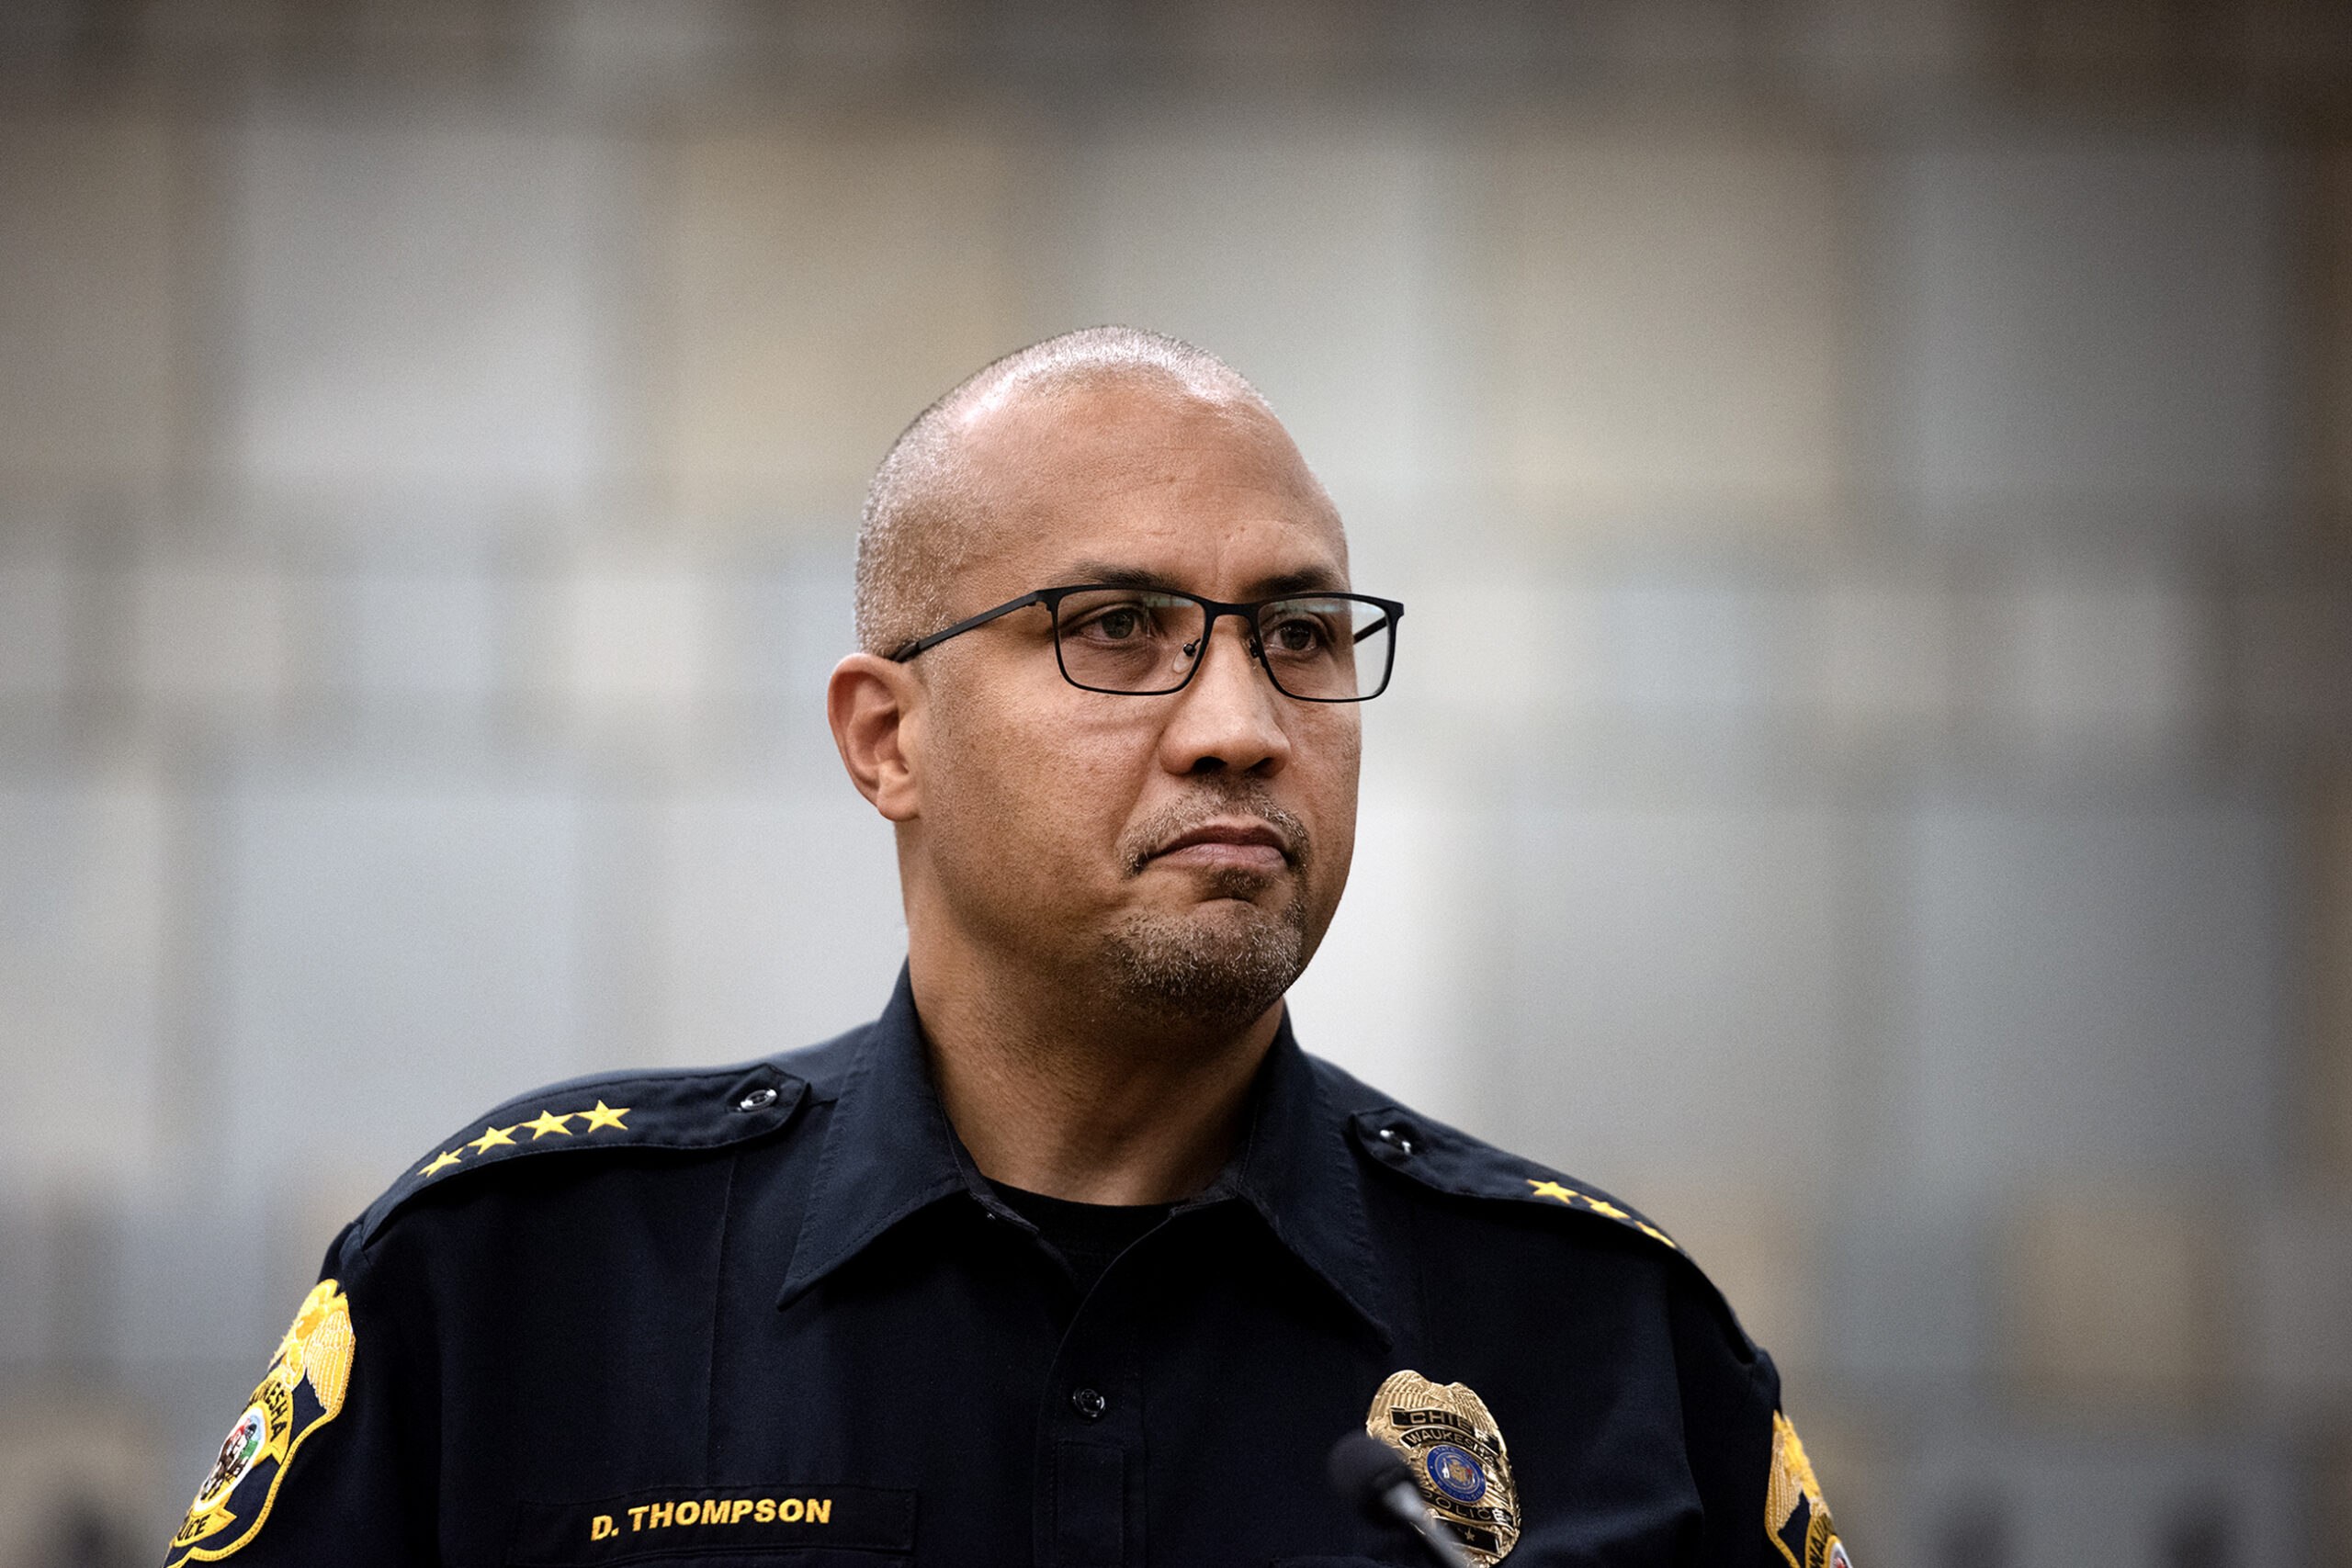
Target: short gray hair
(915,534)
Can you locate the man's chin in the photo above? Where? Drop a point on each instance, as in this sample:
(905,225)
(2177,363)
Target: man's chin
(1219,962)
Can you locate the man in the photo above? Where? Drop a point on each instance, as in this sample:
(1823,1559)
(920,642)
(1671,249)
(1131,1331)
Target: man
(1073,1257)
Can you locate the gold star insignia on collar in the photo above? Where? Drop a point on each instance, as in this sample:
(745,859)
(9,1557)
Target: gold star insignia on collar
(491,1135)
(605,1116)
(1551,1189)
(546,1123)
(439,1162)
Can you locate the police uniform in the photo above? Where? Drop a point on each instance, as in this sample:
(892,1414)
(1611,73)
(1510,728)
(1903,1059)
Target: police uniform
(771,1314)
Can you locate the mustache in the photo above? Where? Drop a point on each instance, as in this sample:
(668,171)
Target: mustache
(1205,805)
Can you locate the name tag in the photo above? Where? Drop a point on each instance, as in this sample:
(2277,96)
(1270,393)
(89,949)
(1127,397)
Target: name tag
(673,1519)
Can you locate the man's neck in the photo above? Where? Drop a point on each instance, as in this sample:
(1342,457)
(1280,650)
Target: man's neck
(1086,1103)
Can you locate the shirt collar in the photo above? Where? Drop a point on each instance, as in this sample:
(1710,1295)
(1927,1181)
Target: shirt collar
(1295,1169)
(888,1148)
(889,1152)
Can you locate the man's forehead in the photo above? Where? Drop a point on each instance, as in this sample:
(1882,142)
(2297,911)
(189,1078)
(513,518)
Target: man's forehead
(1136,467)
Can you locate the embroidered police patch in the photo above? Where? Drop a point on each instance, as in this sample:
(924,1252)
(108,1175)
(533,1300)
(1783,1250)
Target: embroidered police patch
(301,1392)
(1796,1515)
(1455,1451)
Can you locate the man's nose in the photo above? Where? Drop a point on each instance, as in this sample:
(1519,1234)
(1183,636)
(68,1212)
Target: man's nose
(1230,717)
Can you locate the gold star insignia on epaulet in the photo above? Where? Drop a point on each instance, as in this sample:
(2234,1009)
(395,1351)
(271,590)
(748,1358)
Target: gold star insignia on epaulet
(1573,1198)
(490,1136)
(604,1115)
(440,1163)
(546,1123)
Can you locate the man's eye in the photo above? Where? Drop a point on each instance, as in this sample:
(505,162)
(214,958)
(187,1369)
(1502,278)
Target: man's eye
(1123,624)
(1297,637)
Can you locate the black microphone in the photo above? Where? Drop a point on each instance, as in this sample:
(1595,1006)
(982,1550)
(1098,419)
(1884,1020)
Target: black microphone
(1368,1474)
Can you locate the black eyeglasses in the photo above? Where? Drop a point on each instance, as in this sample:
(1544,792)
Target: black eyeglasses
(1148,642)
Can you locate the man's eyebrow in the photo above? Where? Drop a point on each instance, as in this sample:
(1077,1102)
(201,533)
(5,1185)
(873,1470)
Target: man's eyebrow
(1307,580)
(1310,580)
(1122,576)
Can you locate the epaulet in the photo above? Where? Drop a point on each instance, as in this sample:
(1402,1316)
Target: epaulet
(707,1109)
(1438,1155)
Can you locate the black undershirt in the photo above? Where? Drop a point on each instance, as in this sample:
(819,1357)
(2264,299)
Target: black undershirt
(1088,1236)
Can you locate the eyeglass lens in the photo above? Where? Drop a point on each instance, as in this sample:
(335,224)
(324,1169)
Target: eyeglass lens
(1140,642)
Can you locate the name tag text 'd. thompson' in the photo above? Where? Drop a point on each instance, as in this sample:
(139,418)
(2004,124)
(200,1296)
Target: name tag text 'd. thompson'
(663,1520)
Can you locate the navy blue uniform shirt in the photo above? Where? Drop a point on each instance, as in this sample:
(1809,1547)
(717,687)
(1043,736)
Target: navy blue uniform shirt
(772,1314)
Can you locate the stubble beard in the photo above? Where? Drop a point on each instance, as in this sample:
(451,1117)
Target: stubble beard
(1217,967)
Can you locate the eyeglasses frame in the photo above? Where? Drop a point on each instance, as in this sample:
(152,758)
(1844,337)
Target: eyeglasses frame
(1215,609)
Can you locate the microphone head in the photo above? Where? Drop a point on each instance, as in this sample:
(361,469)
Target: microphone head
(1364,1470)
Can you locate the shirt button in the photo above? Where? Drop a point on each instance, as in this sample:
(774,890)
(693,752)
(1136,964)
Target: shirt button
(1089,1404)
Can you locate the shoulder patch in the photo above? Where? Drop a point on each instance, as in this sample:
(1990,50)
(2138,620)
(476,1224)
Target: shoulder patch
(301,1392)
(688,1110)
(1796,1516)
(1437,1156)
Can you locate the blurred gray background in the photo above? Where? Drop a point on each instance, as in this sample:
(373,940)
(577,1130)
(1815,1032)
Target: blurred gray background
(1869,774)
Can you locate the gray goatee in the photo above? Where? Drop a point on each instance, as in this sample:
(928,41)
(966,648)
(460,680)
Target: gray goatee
(1224,970)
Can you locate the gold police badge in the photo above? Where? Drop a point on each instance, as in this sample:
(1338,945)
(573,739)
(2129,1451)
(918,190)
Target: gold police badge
(301,1392)
(1455,1451)
(1796,1515)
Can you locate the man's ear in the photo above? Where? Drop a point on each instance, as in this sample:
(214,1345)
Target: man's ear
(876,708)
